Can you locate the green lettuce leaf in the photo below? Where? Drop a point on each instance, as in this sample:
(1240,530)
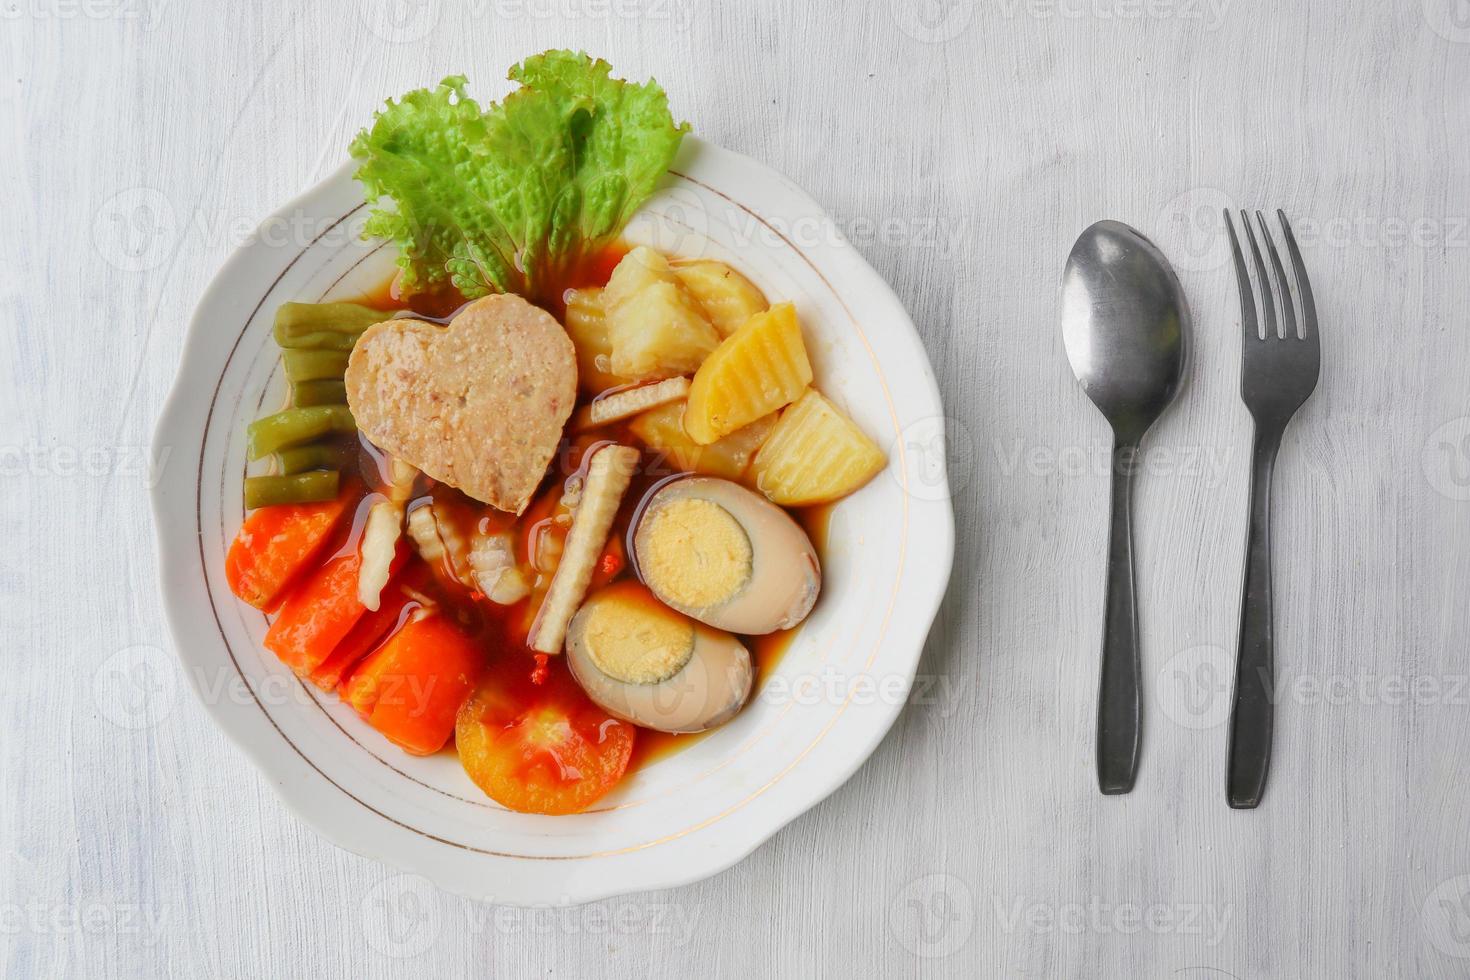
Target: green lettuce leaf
(512,198)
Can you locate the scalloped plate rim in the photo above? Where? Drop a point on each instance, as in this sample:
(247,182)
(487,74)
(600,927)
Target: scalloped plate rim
(308,793)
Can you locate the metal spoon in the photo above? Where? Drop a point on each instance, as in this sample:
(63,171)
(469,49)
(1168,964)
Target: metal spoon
(1124,321)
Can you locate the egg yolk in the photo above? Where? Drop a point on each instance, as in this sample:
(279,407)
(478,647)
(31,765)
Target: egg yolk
(631,640)
(694,552)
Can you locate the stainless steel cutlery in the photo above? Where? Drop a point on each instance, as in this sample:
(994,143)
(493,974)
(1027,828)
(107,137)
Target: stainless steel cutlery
(1125,323)
(1280,358)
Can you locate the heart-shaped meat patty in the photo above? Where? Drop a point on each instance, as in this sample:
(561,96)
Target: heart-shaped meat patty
(479,404)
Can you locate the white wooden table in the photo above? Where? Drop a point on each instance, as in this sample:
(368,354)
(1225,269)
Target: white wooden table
(962,144)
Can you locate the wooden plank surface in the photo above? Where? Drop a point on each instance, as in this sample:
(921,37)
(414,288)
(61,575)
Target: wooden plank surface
(963,144)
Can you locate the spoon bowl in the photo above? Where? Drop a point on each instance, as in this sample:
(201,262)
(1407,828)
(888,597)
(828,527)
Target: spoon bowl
(1124,321)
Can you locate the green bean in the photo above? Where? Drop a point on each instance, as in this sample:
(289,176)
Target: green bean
(295,426)
(314,365)
(298,488)
(305,394)
(322,340)
(325,455)
(296,322)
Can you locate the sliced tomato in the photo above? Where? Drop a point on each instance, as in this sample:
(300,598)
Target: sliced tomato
(541,748)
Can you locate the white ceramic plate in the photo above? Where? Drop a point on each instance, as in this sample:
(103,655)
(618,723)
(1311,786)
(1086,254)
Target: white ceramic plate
(819,715)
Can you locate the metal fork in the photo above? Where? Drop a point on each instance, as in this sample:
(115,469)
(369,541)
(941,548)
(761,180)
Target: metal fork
(1278,372)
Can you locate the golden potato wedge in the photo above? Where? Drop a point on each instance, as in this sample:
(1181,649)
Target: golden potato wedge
(659,332)
(587,326)
(756,370)
(655,327)
(814,454)
(641,267)
(727,297)
(662,430)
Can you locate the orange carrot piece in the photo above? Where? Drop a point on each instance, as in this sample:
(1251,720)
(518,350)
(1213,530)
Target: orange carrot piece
(276,543)
(410,689)
(339,663)
(369,632)
(319,613)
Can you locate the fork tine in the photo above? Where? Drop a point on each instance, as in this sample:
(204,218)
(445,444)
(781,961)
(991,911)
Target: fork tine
(1266,300)
(1288,310)
(1303,286)
(1248,322)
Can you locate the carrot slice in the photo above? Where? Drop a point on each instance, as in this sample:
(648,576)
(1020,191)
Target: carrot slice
(339,663)
(319,613)
(276,543)
(369,632)
(410,689)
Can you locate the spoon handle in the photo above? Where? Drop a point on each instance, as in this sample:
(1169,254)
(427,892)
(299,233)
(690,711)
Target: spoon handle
(1252,710)
(1118,693)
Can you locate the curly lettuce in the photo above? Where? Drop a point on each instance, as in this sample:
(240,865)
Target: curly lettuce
(512,198)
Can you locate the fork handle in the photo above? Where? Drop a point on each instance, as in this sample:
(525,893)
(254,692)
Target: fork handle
(1252,709)
(1118,719)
